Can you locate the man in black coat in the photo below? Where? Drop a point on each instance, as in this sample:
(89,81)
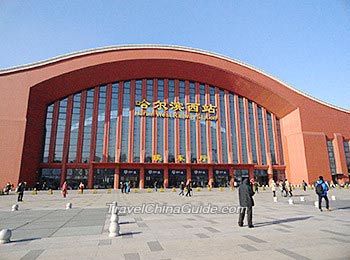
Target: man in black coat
(246,202)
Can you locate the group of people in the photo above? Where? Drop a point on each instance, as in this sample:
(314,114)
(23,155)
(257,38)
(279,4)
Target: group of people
(285,186)
(19,190)
(246,194)
(125,186)
(188,189)
(64,188)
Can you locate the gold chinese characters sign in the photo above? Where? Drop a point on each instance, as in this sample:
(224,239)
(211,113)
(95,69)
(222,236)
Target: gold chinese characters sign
(177,109)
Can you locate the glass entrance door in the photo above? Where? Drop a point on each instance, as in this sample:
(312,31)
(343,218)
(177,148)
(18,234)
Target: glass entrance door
(132,176)
(154,178)
(176,177)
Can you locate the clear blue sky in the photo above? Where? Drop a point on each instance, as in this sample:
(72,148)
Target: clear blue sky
(304,43)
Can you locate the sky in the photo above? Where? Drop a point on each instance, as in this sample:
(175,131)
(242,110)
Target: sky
(304,43)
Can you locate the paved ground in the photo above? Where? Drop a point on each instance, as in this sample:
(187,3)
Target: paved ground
(44,229)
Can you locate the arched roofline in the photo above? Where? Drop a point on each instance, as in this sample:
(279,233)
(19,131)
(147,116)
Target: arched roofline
(66,57)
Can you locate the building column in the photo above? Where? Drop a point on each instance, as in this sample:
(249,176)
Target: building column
(166,177)
(116,177)
(211,176)
(142,177)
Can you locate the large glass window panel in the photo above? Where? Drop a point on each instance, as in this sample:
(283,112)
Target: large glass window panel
(331,157)
(193,132)
(137,122)
(213,127)
(252,131)
(51,178)
(103,178)
(48,127)
(182,125)
(223,127)
(74,129)
(262,136)
(100,123)
(203,137)
(347,154)
(75,176)
(243,131)
(171,123)
(88,125)
(160,120)
(113,123)
(233,128)
(280,145)
(271,139)
(125,123)
(148,144)
(61,126)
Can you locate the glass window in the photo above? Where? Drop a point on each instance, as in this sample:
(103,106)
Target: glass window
(182,128)
(171,123)
(100,123)
(61,127)
(148,144)
(88,125)
(75,176)
(137,122)
(113,123)
(331,157)
(48,127)
(280,146)
(74,129)
(203,125)
(51,178)
(271,139)
(213,127)
(160,121)
(193,132)
(223,127)
(243,131)
(262,136)
(233,128)
(347,154)
(103,178)
(252,131)
(125,123)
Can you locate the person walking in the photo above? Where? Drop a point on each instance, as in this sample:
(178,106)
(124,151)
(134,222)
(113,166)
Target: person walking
(284,189)
(273,188)
(256,186)
(20,189)
(155,185)
(64,189)
(182,187)
(288,186)
(246,203)
(321,190)
(189,188)
(304,185)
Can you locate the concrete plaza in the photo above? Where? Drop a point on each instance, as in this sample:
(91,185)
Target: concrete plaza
(43,229)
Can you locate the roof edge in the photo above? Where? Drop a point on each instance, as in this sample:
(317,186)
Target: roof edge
(161,46)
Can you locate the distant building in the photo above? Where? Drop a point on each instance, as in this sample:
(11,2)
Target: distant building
(165,114)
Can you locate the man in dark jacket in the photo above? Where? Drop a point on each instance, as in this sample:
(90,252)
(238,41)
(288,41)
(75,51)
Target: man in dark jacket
(322,193)
(246,201)
(20,190)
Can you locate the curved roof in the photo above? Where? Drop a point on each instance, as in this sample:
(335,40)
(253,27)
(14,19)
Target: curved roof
(248,78)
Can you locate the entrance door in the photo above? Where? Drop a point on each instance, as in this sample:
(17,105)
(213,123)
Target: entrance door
(154,177)
(261,177)
(199,178)
(221,178)
(103,178)
(240,174)
(176,177)
(129,175)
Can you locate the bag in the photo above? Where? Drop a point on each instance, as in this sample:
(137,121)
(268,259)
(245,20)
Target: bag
(319,189)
